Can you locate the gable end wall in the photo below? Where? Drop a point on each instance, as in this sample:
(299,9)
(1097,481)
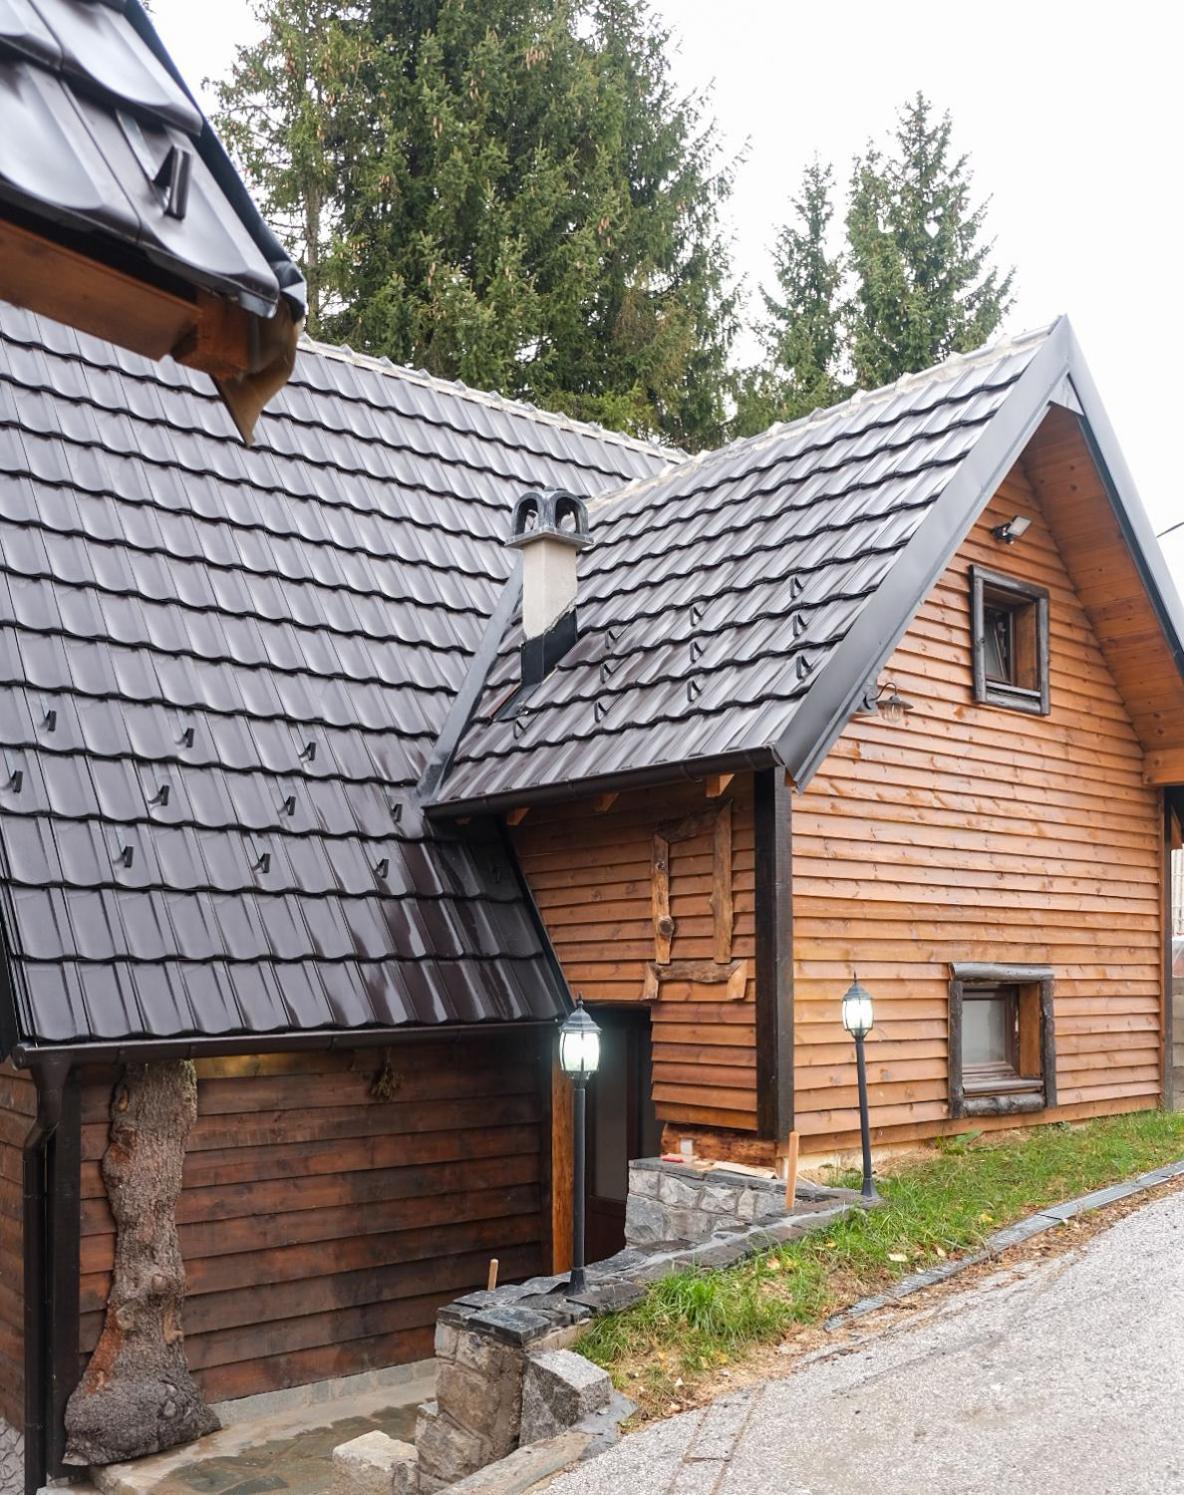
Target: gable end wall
(973,833)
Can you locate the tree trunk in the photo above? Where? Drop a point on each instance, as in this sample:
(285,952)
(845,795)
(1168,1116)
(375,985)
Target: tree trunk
(137,1396)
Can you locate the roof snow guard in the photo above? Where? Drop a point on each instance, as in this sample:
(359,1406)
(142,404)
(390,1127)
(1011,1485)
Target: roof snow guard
(222,670)
(735,605)
(105,157)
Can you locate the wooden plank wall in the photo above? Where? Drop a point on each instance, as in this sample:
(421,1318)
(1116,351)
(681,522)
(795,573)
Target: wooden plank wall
(590,874)
(18,1107)
(322,1227)
(975,833)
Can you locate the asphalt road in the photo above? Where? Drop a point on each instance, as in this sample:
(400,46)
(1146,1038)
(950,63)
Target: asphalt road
(1066,1379)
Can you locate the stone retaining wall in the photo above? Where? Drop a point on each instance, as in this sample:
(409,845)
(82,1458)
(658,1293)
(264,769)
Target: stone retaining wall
(12,1460)
(679,1202)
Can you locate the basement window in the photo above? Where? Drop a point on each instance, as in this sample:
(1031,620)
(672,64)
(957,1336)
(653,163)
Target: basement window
(1002,1057)
(1010,624)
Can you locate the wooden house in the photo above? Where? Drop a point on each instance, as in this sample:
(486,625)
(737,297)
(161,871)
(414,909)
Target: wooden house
(313,782)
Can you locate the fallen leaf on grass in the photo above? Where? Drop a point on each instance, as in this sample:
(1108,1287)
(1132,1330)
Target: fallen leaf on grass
(897,1256)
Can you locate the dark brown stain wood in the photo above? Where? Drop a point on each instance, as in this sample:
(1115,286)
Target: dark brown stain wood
(322,1227)
(18,1106)
(774,956)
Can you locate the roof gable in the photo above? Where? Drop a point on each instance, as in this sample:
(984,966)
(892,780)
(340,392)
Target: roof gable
(733,608)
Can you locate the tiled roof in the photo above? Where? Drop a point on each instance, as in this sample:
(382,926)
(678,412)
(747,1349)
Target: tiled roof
(99,135)
(221,672)
(718,589)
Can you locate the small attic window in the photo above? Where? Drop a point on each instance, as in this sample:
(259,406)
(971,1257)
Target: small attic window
(1009,619)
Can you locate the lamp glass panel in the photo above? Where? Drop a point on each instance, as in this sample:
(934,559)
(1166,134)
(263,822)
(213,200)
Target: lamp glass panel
(579,1051)
(857,1014)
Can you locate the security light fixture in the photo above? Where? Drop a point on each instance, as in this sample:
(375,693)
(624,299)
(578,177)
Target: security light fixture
(1014,529)
(857,1019)
(579,1057)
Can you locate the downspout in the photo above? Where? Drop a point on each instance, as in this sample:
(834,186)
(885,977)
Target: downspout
(50,1076)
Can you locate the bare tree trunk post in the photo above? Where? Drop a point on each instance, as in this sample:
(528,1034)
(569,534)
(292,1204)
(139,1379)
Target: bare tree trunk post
(137,1396)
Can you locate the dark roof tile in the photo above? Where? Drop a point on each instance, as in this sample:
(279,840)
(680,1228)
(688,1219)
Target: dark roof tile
(274,637)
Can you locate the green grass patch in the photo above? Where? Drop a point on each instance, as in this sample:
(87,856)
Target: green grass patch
(939,1206)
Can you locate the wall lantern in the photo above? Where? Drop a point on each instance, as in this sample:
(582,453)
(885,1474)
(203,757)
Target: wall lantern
(884,701)
(579,1057)
(1015,529)
(857,1019)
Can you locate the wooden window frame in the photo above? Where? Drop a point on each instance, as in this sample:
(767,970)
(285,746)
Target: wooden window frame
(983,585)
(1035,984)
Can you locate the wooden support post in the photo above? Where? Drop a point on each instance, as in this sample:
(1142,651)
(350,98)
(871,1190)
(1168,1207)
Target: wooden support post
(517,815)
(491,1279)
(791,1172)
(604,802)
(717,784)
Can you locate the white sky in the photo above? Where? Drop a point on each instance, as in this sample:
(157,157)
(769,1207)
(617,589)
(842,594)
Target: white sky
(1071,112)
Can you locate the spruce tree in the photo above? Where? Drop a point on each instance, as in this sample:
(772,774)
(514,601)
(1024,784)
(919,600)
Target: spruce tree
(801,333)
(923,285)
(293,112)
(517,195)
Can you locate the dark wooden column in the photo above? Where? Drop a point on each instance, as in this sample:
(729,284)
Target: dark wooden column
(774,954)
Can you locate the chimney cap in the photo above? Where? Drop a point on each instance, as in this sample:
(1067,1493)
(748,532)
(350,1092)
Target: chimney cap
(552,514)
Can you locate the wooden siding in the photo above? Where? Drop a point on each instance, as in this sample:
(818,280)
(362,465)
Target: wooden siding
(590,872)
(321,1227)
(975,833)
(18,1107)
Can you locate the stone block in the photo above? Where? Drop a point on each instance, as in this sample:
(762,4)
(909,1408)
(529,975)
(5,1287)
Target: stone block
(447,1336)
(678,1193)
(558,1389)
(692,1225)
(375,1464)
(644,1183)
(512,1325)
(447,1452)
(488,1406)
(645,1221)
(610,1297)
(719,1199)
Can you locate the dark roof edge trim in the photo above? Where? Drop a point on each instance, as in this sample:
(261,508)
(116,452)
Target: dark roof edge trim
(466,699)
(144,1050)
(880,626)
(1126,503)
(223,170)
(648,777)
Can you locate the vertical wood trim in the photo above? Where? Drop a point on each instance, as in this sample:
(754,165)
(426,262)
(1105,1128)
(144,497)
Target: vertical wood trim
(562,1168)
(721,883)
(954,1052)
(1048,1043)
(774,955)
(1166,1003)
(65,1225)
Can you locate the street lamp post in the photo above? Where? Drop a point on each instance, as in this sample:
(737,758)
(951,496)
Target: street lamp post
(857,1019)
(579,1055)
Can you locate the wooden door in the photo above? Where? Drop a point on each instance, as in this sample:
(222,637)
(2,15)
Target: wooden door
(622,1123)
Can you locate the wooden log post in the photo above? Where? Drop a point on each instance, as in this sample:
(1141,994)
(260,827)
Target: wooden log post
(137,1396)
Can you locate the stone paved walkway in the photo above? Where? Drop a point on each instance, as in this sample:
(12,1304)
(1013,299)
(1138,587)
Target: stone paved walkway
(1065,1376)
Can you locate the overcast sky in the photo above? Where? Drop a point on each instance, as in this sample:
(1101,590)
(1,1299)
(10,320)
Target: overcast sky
(1072,115)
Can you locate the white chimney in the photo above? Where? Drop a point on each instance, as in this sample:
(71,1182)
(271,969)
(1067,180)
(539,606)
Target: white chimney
(550,529)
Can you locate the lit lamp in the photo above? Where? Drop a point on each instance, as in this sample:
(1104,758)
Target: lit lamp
(857,1019)
(579,1055)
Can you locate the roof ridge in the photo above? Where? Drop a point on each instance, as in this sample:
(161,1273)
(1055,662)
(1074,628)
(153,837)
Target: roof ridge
(862,398)
(382,365)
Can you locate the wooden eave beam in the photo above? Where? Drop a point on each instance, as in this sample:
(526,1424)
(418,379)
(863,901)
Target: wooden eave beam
(249,357)
(1164,767)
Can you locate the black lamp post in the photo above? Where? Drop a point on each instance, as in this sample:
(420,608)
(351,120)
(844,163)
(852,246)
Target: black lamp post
(579,1055)
(857,1019)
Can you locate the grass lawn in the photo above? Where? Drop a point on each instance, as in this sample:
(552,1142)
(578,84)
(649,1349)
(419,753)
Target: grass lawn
(940,1205)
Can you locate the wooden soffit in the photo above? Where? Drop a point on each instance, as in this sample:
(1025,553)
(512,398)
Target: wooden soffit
(1102,566)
